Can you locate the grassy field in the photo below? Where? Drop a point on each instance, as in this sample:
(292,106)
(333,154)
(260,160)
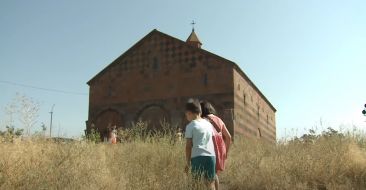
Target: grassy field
(314,162)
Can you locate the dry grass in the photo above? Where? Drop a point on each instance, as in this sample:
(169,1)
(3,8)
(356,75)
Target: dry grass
(327,163)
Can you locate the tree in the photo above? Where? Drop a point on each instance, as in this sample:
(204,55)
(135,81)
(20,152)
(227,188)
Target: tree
(28,112)
(44,128)
(23,111)
(13,132)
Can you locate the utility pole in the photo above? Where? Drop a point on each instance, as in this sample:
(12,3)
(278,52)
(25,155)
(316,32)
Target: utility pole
(51,112)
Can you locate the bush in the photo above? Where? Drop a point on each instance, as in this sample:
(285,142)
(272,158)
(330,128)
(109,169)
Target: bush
(93,136)
(10,134)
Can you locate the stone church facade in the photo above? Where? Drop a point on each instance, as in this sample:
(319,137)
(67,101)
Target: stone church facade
(153,80)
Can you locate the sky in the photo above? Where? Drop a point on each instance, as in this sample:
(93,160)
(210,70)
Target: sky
(308,57)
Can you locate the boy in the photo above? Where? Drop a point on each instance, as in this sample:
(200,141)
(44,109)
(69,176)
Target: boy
(200,152)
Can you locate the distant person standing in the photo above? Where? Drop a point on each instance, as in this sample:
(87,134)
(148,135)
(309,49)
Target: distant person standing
(200,153)
(113,135)
(179,135)
(222,138)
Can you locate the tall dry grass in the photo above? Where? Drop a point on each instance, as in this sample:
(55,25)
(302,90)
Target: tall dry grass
(328,163)
(157,163)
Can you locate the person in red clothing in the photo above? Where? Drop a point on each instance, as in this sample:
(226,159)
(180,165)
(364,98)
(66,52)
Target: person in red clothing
(208,112)
(113,135)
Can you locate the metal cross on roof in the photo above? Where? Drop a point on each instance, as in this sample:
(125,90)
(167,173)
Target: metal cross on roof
(193,23)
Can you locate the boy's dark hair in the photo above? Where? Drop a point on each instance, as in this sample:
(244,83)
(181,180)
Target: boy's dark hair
(207,108)
(193,105)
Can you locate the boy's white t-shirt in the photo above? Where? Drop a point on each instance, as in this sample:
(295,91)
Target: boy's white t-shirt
(200,131)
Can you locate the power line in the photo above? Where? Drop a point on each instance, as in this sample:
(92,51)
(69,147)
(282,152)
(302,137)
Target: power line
(41,88)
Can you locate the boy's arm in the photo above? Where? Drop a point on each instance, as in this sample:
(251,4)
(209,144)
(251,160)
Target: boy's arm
(188,151)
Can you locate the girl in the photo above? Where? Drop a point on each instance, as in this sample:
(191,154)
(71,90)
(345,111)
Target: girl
(208,112)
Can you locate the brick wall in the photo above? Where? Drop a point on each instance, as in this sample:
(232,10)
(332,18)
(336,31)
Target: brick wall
(254,117)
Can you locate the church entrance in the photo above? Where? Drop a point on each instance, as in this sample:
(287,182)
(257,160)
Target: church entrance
(154,116)
(106,122)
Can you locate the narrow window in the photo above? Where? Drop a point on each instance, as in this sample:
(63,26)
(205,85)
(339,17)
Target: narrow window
(205,79)
(192,64)
(155,65)
(259,133)
(245,99)
(110,93)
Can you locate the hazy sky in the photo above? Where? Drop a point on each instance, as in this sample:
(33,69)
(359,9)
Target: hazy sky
(308,57)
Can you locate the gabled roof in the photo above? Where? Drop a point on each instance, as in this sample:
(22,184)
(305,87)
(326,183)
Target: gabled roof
(136,45)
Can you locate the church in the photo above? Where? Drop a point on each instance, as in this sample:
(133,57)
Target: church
(152,81)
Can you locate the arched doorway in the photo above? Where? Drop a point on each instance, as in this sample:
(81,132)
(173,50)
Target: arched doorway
(154,116)
(106,121)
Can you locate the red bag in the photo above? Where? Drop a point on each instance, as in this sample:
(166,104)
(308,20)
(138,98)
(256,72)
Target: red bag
(219,144)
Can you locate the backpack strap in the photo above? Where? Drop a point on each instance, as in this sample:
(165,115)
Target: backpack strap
(218,129)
